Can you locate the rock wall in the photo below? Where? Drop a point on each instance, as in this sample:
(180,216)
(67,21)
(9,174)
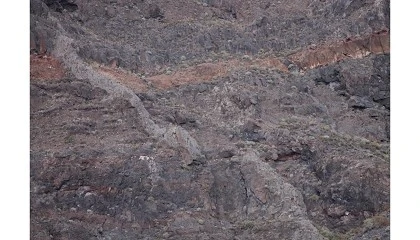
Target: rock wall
(210,119)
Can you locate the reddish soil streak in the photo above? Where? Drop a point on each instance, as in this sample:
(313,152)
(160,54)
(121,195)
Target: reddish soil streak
(377,43)
(309,58)
(45,67)
(208,71)
(126,78)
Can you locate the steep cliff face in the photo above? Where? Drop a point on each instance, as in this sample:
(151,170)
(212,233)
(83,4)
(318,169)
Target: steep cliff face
(210,119)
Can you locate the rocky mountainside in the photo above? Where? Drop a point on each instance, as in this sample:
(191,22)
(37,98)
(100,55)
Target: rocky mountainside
(210,119)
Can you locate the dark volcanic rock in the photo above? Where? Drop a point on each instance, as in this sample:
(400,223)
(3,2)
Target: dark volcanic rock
(226,154)
(61,5)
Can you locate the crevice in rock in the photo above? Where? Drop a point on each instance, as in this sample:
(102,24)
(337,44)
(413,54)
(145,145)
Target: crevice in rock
(247,191)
